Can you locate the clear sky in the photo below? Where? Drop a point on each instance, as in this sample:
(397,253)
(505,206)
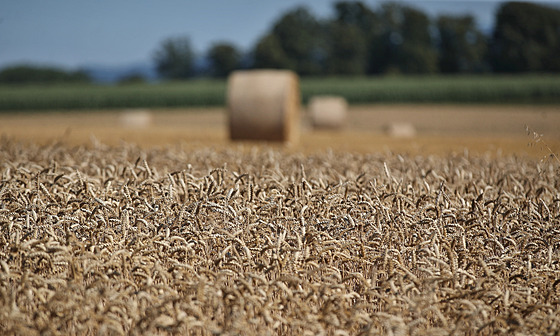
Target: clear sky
(73,33)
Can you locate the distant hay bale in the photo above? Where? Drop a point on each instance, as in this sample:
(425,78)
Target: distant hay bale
(400,130)
(264,105)
(135,118)
(328,111)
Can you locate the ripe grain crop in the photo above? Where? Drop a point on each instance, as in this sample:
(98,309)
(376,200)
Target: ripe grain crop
(257,241)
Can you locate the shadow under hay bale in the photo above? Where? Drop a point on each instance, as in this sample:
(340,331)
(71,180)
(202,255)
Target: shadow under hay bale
(328,112)
(264,105)
(136,118)
(400,130)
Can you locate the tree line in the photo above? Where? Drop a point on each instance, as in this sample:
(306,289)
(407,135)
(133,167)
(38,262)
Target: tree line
(41,75)
(360,41)
(395,38)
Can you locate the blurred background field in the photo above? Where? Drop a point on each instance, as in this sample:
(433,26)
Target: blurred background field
(472,89)
(440,129)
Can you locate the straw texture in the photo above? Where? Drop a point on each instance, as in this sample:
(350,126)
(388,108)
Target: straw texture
(136,118)
(264,105)
(401,130)
(328,112)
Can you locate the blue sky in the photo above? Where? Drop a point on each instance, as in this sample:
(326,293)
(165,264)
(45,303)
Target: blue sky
(73,33)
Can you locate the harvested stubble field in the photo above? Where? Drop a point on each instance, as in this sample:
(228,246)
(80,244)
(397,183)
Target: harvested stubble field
(259,240)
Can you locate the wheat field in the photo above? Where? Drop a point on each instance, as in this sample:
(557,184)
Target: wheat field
(257,240)
(168,228)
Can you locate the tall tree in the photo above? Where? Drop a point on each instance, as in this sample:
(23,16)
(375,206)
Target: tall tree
(268,53)
(404,43)
(174,59)
(417,54)
(462,47)
(387,40)
(224,58)
(356,13)
(347,50)
(300,36)
(349,38)
(526,38)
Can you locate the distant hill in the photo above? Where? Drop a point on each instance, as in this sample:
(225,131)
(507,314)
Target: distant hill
(113,73)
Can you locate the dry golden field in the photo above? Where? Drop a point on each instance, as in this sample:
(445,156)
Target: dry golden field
(170,229)
(441,129)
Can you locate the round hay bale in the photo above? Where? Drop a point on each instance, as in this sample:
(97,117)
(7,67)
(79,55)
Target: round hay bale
(135,118)
(263,105)
(401,130)
(328,111)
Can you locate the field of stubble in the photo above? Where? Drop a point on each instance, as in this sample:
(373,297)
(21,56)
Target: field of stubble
(259,240)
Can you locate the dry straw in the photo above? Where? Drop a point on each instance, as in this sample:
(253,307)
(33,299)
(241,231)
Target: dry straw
(264,105)
(121,241)
(136,118)
(328,112)
(400,130)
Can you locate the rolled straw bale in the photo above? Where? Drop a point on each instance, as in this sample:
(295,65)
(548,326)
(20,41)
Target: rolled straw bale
(264,105)
(135,118)
(400,130)
(328,111)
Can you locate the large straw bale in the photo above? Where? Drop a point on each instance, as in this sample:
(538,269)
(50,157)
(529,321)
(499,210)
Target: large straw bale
(328,111)
(264,105)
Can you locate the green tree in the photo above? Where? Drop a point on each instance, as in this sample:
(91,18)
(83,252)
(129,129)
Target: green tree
(356,13)
(301,38)
(174,59)
(526,38)
(350,38)
(417,53)
(414,58)
(347,51)
(462,47)
(269,54)
(387,40)
(403,43)
(225,58)
(23,74)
